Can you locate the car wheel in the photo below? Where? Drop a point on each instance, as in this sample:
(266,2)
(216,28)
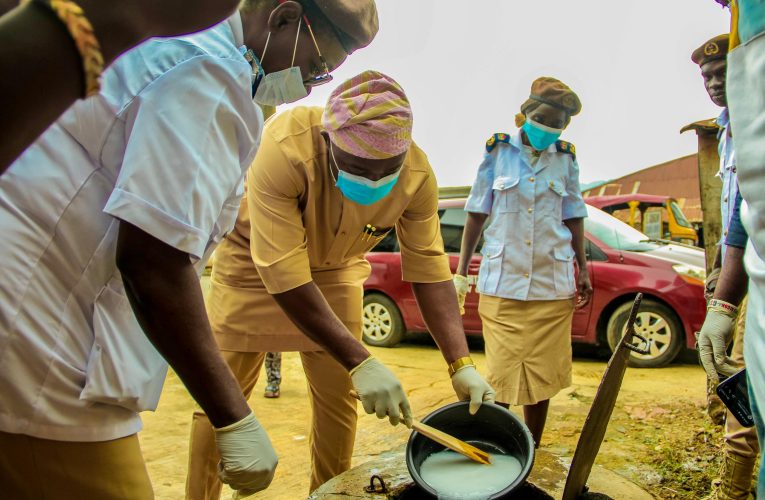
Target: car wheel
(657,323)
(382,325)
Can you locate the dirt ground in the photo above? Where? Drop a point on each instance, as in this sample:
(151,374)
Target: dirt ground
(659,435)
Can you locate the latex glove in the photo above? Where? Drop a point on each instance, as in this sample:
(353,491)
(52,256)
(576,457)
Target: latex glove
(247,459)
(713,340)
(711,283)
(468,384)
(462,287)
(381,392)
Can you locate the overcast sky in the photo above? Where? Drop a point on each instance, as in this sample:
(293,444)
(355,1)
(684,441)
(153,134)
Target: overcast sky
(467,65)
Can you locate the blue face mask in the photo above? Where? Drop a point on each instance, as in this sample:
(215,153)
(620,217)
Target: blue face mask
(360,189)
(541,136)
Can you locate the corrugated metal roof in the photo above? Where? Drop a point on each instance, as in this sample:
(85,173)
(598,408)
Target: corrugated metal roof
(678,178)
(623,199)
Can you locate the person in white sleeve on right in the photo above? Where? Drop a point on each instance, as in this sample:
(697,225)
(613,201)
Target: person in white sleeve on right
(108,221)
(745,88)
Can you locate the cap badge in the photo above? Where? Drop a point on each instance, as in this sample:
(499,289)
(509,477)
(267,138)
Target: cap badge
(711,49)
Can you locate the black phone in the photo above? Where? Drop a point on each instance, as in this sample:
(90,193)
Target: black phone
(734,393)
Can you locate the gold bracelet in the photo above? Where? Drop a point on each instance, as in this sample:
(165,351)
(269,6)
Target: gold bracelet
(84,37)
(456,365)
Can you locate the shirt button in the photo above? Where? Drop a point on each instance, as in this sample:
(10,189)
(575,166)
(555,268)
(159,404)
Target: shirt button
(528,242)
(726,233)
(725,199)
(531,209)
(501,186)
(526,275)
(532,179)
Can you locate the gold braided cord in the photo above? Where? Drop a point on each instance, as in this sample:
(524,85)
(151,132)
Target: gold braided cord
(84,37)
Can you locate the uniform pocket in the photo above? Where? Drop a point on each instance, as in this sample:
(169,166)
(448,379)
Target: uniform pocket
(506,192)
(124,369)
(226,220)
(551,200)
(564,271)
(223,227)
(490,272)
(365,242)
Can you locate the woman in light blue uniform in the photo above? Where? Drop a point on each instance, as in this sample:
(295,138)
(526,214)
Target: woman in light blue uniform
(528,184)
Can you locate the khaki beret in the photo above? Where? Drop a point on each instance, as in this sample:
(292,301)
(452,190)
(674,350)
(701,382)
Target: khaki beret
(354,21)
(716,48)
(554,93)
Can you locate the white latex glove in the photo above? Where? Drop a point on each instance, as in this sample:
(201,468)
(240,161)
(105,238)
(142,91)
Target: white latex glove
(462,287)
(381,392)
(468,384)
(713,340)
(247,459)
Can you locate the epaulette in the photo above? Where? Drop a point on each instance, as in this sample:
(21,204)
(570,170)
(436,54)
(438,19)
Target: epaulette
(565,147)
(496,139)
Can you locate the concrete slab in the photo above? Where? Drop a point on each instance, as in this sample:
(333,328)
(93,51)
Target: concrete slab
(546,480)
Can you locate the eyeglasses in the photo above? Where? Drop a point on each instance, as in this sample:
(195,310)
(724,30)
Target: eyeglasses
(323,76)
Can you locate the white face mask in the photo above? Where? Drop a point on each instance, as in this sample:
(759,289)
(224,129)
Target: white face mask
(281,87)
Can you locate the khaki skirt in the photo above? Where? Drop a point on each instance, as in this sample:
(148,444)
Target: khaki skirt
(528,347)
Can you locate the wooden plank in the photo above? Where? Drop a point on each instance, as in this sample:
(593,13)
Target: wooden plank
(600,413)
(709,188)
(452,442)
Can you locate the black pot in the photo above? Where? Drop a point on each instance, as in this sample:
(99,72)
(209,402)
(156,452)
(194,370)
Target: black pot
(493,429)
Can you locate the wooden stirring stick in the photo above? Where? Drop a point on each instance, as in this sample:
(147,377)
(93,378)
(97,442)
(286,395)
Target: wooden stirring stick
(446,440)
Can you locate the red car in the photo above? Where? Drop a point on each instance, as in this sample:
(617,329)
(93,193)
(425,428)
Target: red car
(622,262)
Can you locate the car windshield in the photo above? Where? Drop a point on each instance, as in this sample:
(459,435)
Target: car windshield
(452,225)
(679,215)
(615,233)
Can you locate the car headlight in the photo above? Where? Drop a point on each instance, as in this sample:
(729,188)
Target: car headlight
(691,274)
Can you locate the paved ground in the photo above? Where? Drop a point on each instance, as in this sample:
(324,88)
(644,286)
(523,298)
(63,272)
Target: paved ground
(658,410)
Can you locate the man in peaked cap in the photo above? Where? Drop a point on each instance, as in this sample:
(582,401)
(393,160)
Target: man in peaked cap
(135,187)
(726,286)
(710,57)
(326,187)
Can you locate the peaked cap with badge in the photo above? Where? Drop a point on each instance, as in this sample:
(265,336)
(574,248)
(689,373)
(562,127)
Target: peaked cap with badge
(711,50)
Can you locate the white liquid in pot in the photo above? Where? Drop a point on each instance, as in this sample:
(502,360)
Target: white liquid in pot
(456,477)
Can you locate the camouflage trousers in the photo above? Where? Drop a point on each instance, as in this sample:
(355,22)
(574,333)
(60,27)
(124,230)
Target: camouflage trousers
(273,371)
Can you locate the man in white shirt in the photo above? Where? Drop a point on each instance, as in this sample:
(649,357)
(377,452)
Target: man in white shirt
(107,221)
(746,100)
